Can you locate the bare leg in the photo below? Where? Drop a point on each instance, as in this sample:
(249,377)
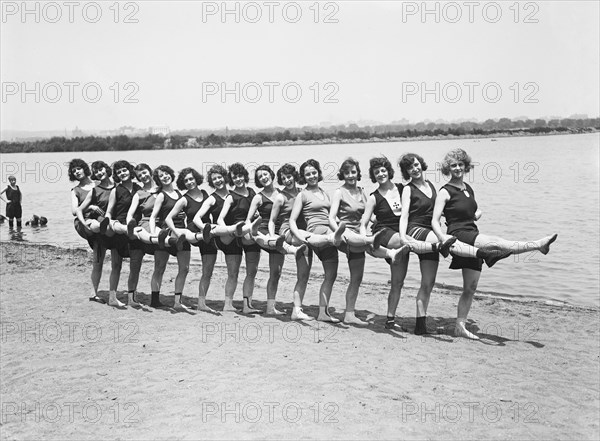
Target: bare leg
(470,281)
(330,268)
(275,266)
(97,264)
(135,265)
(357,268)
(486,242)
(183,264)
(252,260)
(160,264)
(118,227)
(208,265)
(428,272)
(233,262)
(398,272)
(417,246)
(115,274)
(303,266)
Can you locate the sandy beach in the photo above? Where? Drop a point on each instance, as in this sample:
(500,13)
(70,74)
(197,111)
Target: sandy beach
(75,369)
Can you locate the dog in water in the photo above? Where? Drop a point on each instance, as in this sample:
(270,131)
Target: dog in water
(36,221)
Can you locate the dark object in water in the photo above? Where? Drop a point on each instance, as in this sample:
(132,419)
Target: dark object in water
(36,221)
(2,219)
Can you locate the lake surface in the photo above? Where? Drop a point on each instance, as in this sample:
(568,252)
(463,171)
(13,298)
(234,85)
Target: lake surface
(527,188)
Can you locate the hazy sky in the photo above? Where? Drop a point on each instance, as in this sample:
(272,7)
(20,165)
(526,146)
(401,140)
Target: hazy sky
(167,63)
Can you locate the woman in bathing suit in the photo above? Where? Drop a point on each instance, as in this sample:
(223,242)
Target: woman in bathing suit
(456,201)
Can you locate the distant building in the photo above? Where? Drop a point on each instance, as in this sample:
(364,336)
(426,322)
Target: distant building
(160,130)
(76,133)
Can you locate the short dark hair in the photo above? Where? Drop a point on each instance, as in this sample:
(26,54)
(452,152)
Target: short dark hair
(186,171)
(456,155)
(97,165)
(237,168)
(347,165)
(119,165)
(378,162)
(407,160)
(78,163)
(216,170)
(142,166)
(310,163)
(286,169)
(262,168)
(164,169)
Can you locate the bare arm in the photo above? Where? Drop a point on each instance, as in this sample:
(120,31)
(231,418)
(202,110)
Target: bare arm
(205,208)
(405,212)
(366,218)
(440,203)
(296,210)
(177,208)
(135,202)
(155,210)
(256,202)
(86,202)
(1,193)
(74,203)
(277,204)
(335,207)
(112,200)
(225,210)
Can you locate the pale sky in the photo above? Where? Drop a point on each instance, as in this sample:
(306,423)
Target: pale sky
(371,60)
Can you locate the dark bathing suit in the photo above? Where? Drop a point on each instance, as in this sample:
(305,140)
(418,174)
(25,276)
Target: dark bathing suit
(460,219)
(230,249)
(238,213)
(420,216)
(178,221)
(13,207)
(81,194)
(191,208)
(264,211)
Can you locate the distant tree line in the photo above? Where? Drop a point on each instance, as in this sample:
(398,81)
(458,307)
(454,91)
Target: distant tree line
(226,138)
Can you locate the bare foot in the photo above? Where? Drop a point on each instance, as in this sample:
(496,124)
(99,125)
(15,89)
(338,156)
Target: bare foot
(228,306)
(337,235)
(181,307)
(202,307)
(460,330)
(325,317)
(351,319)
(255,225)
(274,311)
(298,314)
(116,302)
(546,242)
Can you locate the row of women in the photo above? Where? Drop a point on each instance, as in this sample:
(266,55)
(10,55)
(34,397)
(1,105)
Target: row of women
(140,210)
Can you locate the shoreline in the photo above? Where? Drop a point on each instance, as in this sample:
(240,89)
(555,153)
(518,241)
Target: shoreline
(336,141)
(81,253)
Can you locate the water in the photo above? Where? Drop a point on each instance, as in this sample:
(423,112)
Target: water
(527,188)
